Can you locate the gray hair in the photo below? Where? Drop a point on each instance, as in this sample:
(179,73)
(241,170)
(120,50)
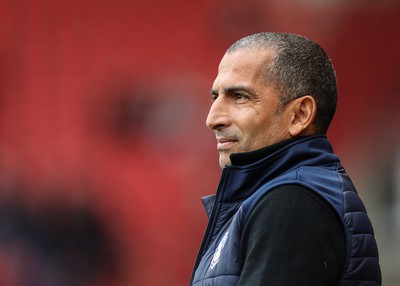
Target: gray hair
(300,67)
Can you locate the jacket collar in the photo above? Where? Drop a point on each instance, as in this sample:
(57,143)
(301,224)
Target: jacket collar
(246,158)
(240,181)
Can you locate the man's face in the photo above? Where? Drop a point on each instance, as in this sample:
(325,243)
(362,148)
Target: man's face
(244,114)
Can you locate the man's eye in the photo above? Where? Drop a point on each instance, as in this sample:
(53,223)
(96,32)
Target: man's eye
(240,96)
(214,97)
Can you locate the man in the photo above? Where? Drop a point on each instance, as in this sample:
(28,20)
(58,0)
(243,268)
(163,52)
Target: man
(285,212)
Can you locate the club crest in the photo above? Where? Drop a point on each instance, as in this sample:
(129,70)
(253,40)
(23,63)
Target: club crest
(217,252)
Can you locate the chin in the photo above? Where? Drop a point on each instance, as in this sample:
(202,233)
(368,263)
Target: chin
(224,163)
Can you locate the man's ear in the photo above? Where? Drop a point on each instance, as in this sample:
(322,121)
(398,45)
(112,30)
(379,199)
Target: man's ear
(303,111)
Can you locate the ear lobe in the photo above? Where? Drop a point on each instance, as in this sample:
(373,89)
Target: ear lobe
(303,111)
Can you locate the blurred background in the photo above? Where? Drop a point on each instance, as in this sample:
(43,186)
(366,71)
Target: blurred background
(104,153)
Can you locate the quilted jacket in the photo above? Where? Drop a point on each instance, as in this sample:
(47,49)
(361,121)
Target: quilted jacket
(309,162)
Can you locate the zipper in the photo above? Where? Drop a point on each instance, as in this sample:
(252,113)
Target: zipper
(211,224)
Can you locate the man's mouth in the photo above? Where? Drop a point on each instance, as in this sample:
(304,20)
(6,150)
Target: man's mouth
(225,143)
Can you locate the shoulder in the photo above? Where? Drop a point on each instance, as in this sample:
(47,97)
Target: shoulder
(293,200)
(292,228)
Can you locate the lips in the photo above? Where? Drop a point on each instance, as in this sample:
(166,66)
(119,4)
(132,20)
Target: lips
(225,143)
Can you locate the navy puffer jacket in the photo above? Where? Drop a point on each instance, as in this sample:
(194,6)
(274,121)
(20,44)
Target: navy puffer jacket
(308,162)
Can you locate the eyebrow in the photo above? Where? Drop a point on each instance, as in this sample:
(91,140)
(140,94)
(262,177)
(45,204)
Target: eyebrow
(234,89)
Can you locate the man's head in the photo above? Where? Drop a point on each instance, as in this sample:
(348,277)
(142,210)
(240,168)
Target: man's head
(271,87)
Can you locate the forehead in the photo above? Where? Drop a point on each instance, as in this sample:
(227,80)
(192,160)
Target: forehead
(243,66)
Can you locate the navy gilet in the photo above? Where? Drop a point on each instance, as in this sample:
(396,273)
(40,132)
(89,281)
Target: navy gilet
(308,162)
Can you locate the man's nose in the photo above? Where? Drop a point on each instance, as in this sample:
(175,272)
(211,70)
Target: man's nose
(218,116)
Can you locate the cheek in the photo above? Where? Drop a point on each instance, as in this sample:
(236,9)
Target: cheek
(261,133)
(254,136)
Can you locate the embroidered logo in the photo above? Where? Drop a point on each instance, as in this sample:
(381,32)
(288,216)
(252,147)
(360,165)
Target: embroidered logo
(217,253)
